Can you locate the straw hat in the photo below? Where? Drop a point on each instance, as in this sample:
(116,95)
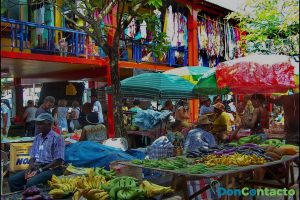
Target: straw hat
(203,119)
(219,106)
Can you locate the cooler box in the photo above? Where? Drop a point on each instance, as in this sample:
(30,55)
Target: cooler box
(19,156)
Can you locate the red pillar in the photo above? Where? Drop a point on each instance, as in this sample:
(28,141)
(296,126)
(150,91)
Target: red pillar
(110,113)
(193,56)
(18,96)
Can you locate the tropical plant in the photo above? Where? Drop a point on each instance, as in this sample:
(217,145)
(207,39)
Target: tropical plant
(271,26)
(108,37)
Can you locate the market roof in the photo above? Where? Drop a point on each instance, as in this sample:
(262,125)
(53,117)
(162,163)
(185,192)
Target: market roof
(231,5)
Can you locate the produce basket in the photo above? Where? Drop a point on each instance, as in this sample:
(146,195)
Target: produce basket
(160,152)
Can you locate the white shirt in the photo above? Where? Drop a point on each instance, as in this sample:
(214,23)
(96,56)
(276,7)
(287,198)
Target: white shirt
(98,108)
(31,113)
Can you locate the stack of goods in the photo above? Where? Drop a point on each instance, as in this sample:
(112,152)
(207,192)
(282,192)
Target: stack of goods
(102,184)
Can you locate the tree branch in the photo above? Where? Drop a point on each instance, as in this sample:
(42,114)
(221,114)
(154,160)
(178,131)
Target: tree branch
(133,12)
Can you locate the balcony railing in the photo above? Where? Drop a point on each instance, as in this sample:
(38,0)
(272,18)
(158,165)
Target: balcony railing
(74,43)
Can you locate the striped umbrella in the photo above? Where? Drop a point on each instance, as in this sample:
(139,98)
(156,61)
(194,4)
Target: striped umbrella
(156,86)
(191,74)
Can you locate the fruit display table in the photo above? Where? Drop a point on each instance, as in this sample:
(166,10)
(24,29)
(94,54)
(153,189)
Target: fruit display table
(228,176)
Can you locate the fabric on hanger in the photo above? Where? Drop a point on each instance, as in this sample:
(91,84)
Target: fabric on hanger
(169,24)
(175,31)
(143,28)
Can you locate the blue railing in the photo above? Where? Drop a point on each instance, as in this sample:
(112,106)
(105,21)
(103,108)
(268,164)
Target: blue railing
(21,33)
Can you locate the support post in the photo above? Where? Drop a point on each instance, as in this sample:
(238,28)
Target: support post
(110,112)
(18,101)
(193,56)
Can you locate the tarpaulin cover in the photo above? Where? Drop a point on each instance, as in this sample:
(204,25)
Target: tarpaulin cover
(92,154)
(256,74)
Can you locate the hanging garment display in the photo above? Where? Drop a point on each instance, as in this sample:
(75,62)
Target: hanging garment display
(169,24)
(143,28)
(219,40)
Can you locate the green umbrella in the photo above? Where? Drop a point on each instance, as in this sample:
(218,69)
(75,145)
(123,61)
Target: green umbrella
(207,85)
(191,74)
(156,86)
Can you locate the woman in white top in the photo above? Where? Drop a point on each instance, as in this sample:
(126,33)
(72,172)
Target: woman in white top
(75,112)
(28,117)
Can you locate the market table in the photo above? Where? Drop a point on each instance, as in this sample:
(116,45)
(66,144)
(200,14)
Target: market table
(227,174)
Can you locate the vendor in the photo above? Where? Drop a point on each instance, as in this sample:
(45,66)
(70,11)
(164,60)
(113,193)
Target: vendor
(46,156)
(175,135)
(93,131)
(200,136)
(221,123)
(257,123)
(181,113)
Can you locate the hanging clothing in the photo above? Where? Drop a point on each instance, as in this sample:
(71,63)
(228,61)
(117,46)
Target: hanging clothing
(169,24)
(143,28)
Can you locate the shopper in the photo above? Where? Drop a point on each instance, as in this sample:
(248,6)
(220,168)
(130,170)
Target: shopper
(221,123)
(86,109)
(46,156)
(136,107)
(206,108)
(181,113)
(74,116)
(28,117)
(93,131)
(5,117)
(62,115)
(97,108)
(48,103)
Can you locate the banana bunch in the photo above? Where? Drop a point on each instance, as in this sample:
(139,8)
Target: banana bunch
(107,174)
(77,170)
(62,187)
(92,182)
(123,188)
(91,194)
(58,193)
(152,189)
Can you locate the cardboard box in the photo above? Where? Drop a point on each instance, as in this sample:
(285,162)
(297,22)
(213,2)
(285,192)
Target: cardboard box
(19,156)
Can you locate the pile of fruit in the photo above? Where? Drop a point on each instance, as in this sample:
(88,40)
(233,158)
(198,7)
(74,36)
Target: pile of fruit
(168,164)
(235,159)
(101,184)
(98,171)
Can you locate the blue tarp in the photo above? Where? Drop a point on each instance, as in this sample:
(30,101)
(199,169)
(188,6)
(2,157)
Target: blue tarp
(148,119)
(92,154)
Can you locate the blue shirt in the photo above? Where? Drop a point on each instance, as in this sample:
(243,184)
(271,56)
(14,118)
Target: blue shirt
(46,150)
(5,110)
(197,138)
(206,110)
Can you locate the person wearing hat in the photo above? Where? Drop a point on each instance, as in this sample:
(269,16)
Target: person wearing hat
(93,131)
(97,108)
(221,123)
(200,136)
(46,156)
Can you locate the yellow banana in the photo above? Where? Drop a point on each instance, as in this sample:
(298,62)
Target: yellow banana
(76,196)
(99,195)
(105,197)
(92,192)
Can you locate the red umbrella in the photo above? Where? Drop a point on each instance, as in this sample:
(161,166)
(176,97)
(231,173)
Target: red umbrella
(256,74)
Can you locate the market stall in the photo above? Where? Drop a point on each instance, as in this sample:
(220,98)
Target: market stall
(214,165)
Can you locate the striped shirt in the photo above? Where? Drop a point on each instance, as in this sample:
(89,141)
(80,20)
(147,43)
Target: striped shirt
(46,150)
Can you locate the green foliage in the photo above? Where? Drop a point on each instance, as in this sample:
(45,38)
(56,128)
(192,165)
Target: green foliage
(272,26)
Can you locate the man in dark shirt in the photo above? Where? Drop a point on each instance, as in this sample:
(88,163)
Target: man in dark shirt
(290,105)
(44,108)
